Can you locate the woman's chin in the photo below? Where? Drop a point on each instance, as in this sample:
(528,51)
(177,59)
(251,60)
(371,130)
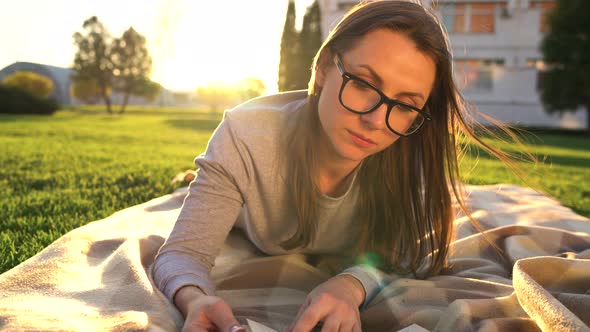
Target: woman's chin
(352,154)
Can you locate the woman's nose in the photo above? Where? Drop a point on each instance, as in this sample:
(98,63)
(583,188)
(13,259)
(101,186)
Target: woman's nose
(376,119)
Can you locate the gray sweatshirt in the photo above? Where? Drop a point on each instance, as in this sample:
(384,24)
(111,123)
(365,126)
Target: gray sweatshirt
(241,183)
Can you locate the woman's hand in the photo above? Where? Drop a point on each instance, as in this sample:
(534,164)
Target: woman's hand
(205,313)
(335,303)
(210,314)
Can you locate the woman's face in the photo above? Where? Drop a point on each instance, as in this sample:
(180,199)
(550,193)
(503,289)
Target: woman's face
(391,62)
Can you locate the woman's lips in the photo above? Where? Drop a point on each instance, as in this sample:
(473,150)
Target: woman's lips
(361,140)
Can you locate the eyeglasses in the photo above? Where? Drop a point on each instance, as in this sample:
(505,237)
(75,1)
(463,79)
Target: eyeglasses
(361,97)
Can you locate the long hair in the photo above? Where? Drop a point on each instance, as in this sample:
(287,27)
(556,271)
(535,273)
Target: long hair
(407,216)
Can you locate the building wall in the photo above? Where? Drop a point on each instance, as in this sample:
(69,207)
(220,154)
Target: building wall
(508,59)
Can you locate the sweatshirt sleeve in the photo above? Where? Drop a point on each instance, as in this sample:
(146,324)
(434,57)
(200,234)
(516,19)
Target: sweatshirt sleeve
(372,279)
(208,213)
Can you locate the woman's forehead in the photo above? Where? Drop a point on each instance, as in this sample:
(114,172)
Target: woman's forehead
(394,58)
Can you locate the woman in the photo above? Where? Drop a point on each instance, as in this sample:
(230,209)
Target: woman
(364,161)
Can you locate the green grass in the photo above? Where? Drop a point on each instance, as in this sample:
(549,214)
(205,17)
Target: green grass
(62,171)
(562,171)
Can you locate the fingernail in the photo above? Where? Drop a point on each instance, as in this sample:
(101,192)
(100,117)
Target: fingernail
(237,328)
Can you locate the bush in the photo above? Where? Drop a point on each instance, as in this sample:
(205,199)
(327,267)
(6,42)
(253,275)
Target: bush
(17,101)
(35,84)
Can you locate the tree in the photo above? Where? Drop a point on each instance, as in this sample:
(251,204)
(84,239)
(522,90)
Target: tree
(132,65)
(87,90)
(221,94)
(121,64)
(92,60)
(217,94)
(251,88)
(288,50)
(565,85)
(35,84)
(299,48)
(309,42)
(147,89)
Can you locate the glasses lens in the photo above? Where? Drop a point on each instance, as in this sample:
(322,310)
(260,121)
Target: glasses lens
(358,96)
(404,120)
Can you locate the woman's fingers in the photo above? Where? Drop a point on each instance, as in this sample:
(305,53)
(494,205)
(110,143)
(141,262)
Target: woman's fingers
(357,327)
(332,324)
(307,321)
(353,325)
(311,316)
(195,329)
(299,313)
(347,325)
(210,314)
(195,323)
(222,316)
(338,312)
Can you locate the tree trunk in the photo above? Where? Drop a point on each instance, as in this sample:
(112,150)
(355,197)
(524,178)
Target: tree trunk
(588,119)
(125,101)
(106,98)
(107,101)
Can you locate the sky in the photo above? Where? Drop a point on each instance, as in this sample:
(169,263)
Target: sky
(192,42)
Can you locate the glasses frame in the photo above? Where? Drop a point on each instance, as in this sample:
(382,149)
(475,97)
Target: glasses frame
(346,76)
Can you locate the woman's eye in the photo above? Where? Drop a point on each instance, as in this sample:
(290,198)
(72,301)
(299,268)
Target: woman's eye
(361,84)
(404,108)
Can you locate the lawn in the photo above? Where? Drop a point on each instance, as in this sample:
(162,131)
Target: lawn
(62,171)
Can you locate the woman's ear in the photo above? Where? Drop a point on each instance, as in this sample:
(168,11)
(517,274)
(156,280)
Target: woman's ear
(323,64)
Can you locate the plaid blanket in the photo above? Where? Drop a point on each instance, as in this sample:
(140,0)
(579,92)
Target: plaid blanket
(97,277)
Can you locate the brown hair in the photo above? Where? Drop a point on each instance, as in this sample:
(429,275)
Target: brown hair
(410,214)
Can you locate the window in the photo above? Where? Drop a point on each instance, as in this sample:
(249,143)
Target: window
(453,17)
(472,17)
(475,74)
(483,17)
(541,68)
(536,63)
(545,7)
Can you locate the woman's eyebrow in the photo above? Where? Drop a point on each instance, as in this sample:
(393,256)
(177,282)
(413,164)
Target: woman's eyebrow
(372,72)
(379,81)
(410,94)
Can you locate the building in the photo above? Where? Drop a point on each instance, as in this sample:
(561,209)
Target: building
(495,44)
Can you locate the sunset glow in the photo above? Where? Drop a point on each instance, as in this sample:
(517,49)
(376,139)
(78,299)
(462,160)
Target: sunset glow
(191,42)
(219,43)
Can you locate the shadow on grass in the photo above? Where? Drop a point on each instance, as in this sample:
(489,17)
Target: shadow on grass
(151,112)
(569,139)
(132,110)
(580,133)
(536,141)
(57,117)
(548,160)
(579,143)
(21,118)
(180,118)
(194,124)
(565,161)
